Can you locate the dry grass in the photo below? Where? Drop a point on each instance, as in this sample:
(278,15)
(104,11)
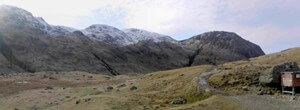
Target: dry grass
(172,84)
(155,91)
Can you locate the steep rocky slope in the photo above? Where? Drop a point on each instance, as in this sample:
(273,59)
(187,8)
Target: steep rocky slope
(218,47)
(29,44)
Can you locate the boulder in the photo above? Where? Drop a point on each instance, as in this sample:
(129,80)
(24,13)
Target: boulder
(272,75)
(77,101)
(49,88)
(133,88)
(110,88)
(180,100)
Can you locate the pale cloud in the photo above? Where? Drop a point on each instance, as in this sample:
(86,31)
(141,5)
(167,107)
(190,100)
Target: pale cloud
(265,22)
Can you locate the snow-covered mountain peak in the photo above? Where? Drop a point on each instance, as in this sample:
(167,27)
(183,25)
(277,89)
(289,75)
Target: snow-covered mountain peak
(109,34)
(14,16)
(7,9)
(100,27)
(142,35)
(19,18)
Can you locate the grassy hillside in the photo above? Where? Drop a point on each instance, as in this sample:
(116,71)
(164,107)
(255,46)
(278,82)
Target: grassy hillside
(154,90)
(79,90)
(243,74)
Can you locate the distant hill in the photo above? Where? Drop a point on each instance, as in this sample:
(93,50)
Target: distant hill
(218,47)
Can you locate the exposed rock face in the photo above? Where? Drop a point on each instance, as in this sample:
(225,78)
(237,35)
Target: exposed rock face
(29,44)
(272,75)
(218,47)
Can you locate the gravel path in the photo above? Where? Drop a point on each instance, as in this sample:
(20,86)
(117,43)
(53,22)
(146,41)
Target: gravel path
(266,102)
(203,80)
(204,84)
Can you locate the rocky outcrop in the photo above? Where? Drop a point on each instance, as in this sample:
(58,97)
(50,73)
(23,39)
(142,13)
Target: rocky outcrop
(272,75)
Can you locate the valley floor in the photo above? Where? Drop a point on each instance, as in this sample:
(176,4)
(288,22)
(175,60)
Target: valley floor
(84,91)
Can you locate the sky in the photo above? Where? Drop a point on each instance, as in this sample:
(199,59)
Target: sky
(272,24)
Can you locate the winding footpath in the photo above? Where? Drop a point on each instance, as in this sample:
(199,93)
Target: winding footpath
(206,87)
(203,80)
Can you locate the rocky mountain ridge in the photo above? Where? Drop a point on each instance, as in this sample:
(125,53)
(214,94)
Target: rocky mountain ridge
(29,44)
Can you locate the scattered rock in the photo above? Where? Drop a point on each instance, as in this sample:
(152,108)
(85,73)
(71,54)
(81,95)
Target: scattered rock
(133,88)
(157,107)
(45,76)
(269,92)
(49,88)
(245,88)
(88,99)
(34,107)
(259,89)
(180,100)
(90,77)
(122,85)
(77,102)
(293,98)
(52,78)
(227,68)
(31,75)
(109,88)
(260,93)
(107,77)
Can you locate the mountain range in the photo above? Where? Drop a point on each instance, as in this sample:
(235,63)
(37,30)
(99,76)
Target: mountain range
(30,44)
